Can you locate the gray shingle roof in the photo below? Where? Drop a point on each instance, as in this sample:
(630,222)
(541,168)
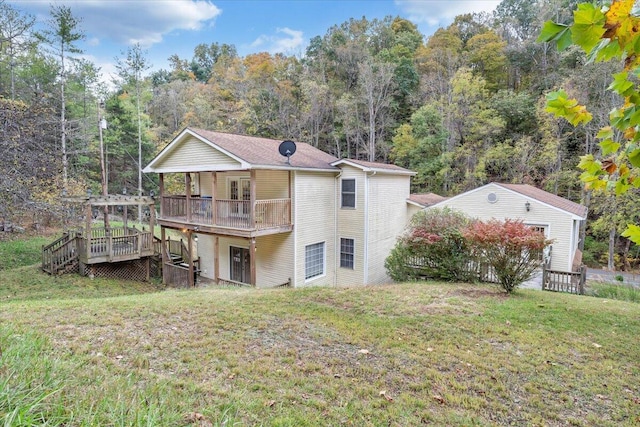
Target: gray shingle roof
(426,199)
(548,198)
(264,151)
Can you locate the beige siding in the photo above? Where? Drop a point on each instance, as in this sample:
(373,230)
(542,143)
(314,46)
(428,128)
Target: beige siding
(272,184)
(274,255)
(314,222)
(412,210)
(195,152)
(269,184)
(205,248)
(351,226)
(386,221)
(274,260)
(512,205)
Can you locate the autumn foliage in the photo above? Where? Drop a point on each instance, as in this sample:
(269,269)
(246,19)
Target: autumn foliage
(512,248)
(431,246)
(447,245)
(606,32)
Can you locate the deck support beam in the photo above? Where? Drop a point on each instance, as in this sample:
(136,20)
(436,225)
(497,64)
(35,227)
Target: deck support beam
(252,196)
(214,196)
(216,260)
(252,260)
(187,182)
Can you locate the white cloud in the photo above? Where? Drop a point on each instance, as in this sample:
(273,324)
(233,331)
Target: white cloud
(290,42)
(130,22)
(145,22)
(435,13)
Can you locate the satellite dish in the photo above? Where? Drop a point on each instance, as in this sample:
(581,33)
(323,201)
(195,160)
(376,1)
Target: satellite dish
(287,148)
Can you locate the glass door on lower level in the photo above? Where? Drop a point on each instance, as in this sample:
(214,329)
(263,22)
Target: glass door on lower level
(240,265)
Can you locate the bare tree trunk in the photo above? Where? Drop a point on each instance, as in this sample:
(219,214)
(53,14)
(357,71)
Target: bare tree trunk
(625,256)
(63,131)
(612,246)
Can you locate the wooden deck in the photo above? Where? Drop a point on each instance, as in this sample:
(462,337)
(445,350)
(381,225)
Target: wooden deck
(236,217)
(114,245)
(104,245)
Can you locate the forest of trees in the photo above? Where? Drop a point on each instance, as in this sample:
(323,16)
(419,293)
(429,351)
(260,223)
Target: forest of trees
(462,107)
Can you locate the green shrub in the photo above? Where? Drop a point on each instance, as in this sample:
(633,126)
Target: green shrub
(431,246)
(594,252)
(613,291)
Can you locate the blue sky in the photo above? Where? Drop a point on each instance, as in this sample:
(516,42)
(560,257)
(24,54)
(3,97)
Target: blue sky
(166,27)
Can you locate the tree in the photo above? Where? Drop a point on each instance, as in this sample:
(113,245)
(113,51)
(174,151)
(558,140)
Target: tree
(130,69)
(486,56)
(512,248)
(606,33)
(377,87)
(474,127)
(14,37)
(420,146)
(61,34)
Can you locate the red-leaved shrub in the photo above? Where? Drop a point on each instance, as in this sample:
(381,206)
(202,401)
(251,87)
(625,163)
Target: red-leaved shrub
(512,248)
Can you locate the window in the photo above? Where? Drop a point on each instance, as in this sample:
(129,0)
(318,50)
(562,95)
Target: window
(313,260)
(347,253)
(348,193)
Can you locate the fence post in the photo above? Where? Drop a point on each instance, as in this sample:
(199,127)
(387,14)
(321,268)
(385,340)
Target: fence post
(583,278)
(544,276)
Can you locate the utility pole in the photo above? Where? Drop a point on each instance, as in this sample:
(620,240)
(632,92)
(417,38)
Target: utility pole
(102,124)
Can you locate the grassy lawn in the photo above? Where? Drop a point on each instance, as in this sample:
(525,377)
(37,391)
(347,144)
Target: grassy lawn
(82,352)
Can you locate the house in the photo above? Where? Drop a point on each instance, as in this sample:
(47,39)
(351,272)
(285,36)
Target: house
(266,220)
(558,218)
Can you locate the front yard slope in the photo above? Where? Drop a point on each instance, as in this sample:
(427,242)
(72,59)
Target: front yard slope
(408,354)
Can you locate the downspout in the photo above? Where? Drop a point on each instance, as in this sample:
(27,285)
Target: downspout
(366,227)
(294,203)
(336,241)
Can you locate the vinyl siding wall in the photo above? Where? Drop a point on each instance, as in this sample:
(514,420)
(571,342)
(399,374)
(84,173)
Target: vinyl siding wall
(195,152)
(274,260)
(314,222)
(512,205)
(205,248)
(412,210)
(351,226)
(273,257)
(269,184)
(387,220)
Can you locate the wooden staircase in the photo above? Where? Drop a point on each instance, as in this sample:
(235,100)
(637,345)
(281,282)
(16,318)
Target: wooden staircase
(176,269)
(61,256)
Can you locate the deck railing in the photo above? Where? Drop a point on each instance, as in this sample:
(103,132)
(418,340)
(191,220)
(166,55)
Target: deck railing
(115,244)
(60,253)
(228,213)
(175,275)
(564,281)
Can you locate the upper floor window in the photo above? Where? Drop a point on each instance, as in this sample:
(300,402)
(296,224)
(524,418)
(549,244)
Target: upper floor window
(348,192)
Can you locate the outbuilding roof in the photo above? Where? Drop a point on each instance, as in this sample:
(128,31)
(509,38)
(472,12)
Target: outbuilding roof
(425,199)
(546,197)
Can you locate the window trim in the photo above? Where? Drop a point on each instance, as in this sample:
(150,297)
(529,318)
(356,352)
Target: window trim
(343,193)
(352,254)
(324,262)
